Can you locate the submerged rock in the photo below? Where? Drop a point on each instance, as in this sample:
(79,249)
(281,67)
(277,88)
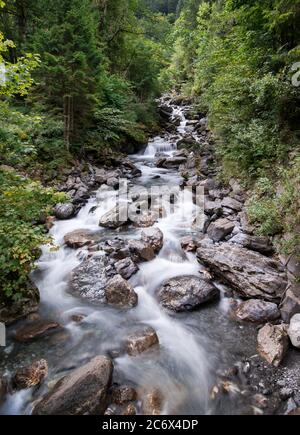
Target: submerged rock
(186,293)
(251,274)
(256,311)
(120,293)
(294,331)
(272,343)
(84,391)
(152,403)
(141,341)
(35,330)
(32,375)
(120,395)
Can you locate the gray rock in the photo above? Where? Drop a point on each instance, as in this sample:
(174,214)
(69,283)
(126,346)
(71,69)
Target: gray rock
(115,218)
(126,268)
(64,211)
(256,311)
(144,220)
(120,293)
(3,389)
(291,303)
(141,251)
(123,394)
(84,391)
(255,243)
(212,207)
(272,343)
(232,203)
(219,229)
(285,393)
(186,293)
(171,163)
(35,330)
(141,340)
(89,279)
(294,331)
(251,274)
(113,182)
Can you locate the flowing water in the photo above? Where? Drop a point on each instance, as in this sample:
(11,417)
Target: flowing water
(193,346)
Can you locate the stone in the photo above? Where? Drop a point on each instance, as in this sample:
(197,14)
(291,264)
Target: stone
(64,211)
(232,203)
(291,303)
(186,293)
(113,182)
(294,331)
(144,220)
(79,238)
(272,343)
(285,393)
(245,224)
(189,244)
(152,403)
(120,395)
(219,229)
(140,250)
(89,279)
(100,176)
(212,207)
(141,340)
(35,330)
(3,389)
(84,391)
(120,293)
(171,163)
(49,222)
(115,218)
(32,375)
(256,311)
(255,243)
(154,238)
(126,268)
(130,409)
(251,274)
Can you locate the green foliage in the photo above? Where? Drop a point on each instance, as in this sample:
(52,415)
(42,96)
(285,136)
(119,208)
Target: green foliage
(22,204)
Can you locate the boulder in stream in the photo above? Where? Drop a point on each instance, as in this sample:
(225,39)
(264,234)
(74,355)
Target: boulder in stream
(126,268)
(120,293)
(186,293)
(141,340)
(272,343)
(84,391)
(122,394)
(64,211)
(35,330)
(79,238)
(251,274)
(154,238)
(32,375)
(115,218)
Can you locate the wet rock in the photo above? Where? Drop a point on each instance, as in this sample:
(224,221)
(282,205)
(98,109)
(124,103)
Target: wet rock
(231,203)
(115,218)
(77,318)
(130,409)
(255,243)
(141,251)
(207,185)
(84,391)
(152,403)
(272,343)
(256,311)
(291,303)
(154,238)
(113,182)
(126,268)
(291,407)
(294,331)
(89,279)
(141,341)
(251,274)
(144,220)
(260,400)
(189,244)
(120,293)
(64,211)
(79,238)
(35,330)
(186,293)
(122,394)
(219,229)
(171,163)
(27,304)
(116,249)
(32,375)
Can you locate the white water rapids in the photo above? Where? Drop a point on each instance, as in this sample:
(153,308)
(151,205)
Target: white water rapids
(181,368)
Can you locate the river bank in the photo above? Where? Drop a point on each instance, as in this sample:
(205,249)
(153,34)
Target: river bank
(158,299)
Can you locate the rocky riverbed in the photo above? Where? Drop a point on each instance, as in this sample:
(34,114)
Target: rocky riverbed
(155,314)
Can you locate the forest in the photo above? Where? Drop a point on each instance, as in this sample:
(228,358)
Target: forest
(80,85)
